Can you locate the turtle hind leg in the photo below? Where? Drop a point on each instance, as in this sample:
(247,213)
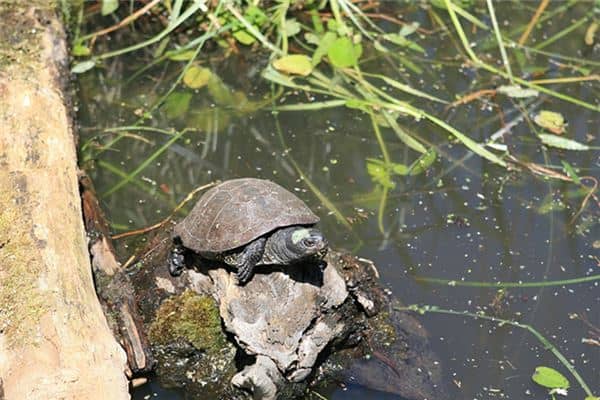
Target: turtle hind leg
(249,258)
(177,258)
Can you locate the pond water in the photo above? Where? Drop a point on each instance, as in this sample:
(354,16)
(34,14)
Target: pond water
(463,219)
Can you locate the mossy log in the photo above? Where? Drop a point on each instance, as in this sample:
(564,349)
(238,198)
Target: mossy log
(55,342)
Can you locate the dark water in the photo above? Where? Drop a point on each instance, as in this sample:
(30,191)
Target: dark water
(464,219)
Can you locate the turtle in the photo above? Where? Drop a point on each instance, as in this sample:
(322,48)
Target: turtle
(247,222)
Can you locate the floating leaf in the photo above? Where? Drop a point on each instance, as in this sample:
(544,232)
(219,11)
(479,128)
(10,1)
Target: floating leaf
(312,38)
(297,64)
(562,143)
(408,29)
(517,92)
(343,53)
(83,66)
(324,45)
(550,378)
(291,27)
(592,398)
(109,6)
(550,120)
(177,104)
(196,77)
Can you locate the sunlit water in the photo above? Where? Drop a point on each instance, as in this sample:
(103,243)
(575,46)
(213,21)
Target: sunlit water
(464,219)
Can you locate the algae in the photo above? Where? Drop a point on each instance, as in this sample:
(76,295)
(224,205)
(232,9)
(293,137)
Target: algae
(21,304)
(190,317)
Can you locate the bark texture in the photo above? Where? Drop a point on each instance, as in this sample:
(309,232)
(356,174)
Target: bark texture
(54,339)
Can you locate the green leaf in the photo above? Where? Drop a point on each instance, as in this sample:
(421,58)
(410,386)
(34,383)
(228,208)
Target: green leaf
(467,141)
(517,92)
(422,163)
(83,66)
(160,49)
(196,77)
(221,93)
(256,16)
(181,55)
(109,6)
(356,104)
(324,45)
(379,47)
(410,90)
(550,120)
(592,398)
(244,37)
(177,104)
(80,50)
(380,173)
(291,27)
(273,75)
(332,25)
(400,169)
(562,143)
(311,38)
(550,378)
(403,135)
(402,41)
(571,172)
(343,53)
(409,29)
(297,64)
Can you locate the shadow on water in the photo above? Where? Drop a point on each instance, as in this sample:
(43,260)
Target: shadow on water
(463,219)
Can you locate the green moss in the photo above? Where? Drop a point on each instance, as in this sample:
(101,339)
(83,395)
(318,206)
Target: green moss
(19,38)
(21,304)
(190,317)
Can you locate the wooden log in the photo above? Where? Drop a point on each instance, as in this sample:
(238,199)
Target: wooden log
(114,288)
(55,342)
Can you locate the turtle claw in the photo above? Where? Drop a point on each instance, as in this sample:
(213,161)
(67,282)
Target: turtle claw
(176,260)
(243,274)
(249,258)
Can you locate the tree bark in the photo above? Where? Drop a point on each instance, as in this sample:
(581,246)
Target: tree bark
(55,342)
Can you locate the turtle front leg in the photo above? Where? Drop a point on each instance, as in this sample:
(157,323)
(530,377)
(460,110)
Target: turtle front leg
(176,259)
(249,258)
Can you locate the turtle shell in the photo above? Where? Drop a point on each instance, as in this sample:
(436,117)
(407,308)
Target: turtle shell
(235,212)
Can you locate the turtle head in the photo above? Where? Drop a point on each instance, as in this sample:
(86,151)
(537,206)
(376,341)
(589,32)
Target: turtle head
(301,244)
